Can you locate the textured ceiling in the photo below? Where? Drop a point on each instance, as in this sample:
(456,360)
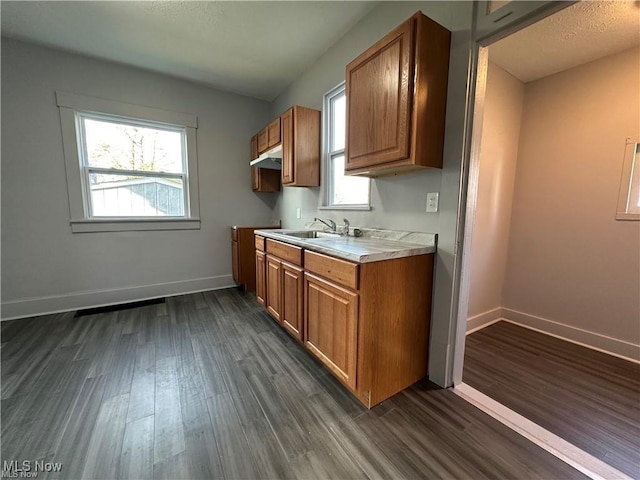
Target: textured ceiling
(252,48)
(580,33)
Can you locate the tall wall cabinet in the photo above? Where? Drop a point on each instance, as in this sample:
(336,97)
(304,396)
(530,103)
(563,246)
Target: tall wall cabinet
(396,101)
(298,131)
(301,147)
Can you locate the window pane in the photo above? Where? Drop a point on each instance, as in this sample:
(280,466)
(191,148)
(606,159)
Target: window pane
(136,196)
(347,190)
(339,108)
(132,147)
(634,187)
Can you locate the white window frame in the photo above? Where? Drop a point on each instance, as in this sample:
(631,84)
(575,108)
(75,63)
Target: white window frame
(329,154)
(630,182)
(75,107)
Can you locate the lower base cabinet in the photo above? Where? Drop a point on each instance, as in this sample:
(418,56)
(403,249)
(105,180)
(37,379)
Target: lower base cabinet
(284,284)
(292,299)
(274,286)
(331,324)
(261,285)
(243,256)
(367,323)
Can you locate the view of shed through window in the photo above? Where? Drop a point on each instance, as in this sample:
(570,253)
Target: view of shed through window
(131,168)
(342,190)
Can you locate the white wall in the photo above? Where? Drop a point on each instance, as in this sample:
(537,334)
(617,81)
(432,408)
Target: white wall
(44,266)
(498,158)
(399,202)
(572,268)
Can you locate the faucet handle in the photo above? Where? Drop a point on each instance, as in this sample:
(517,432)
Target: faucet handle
(346,227)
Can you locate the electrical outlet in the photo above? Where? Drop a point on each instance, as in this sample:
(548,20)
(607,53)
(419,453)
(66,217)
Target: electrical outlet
(432,202)
(298,215)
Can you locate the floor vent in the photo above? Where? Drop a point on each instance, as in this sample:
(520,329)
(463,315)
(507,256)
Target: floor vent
(121,306)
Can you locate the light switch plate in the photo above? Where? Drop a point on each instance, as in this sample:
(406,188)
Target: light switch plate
(298,212)
(432,202)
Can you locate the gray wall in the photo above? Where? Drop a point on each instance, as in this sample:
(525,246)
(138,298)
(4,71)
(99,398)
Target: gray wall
(502,115)
(573,269)
(44,266)
(398,202)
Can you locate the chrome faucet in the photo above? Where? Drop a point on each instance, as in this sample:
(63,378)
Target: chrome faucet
(332,225)
(346,227)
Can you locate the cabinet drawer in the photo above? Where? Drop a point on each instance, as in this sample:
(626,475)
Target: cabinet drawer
(234,234)
(290,253)
(340,271)
(259,243)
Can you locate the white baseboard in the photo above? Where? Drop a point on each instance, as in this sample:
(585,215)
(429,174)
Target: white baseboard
(30,307)
(582,461)
(595,341)
(482,320)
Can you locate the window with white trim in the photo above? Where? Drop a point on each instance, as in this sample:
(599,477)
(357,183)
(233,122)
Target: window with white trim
(341,191)
(128,167)
(629,197)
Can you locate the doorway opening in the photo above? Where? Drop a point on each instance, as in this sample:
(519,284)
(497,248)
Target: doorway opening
(553,279)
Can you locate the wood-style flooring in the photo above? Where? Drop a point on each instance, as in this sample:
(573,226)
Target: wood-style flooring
(586,397)
(208,386)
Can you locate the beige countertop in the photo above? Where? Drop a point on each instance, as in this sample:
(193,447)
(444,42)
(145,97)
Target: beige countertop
(373,246)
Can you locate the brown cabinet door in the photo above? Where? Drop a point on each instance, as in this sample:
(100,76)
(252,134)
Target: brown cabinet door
(255,179)
(235,262)
(273,133)
(287,146)
(379,88)
(331,326)
(292,304)
(260,278)
(274,286)
(263,141)
(254,147)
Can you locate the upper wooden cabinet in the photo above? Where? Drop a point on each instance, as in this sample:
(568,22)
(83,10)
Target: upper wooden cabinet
(254,146)
(396,101)
(300,129)
(273,133)
(263,179)
(263,141)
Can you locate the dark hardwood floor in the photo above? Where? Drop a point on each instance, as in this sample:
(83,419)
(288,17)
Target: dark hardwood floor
(586,397)
(208,386)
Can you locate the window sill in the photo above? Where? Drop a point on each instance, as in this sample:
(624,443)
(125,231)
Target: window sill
(627,216)
(133,224)
(346,207)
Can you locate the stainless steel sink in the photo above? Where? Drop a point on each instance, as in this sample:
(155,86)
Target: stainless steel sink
(311,234)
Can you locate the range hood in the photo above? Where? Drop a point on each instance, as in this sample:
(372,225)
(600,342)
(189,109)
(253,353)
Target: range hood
(270,159)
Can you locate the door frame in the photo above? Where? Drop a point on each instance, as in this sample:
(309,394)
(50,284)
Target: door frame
(487,28)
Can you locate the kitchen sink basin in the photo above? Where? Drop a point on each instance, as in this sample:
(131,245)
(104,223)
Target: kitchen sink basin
(312,234)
